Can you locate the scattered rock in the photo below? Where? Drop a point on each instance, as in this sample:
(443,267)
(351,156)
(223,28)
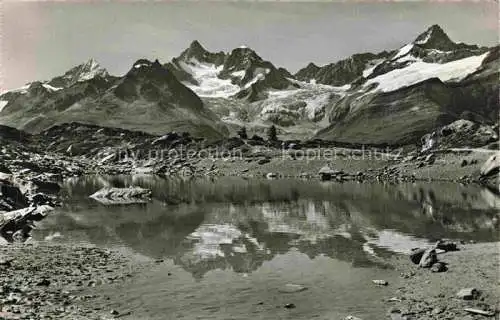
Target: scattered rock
(416,255)
(4,169)
(326,173)
(271,175)
(6,262)
(46,186)
(439,267)
(491,165)
(13,196)
(43,283)
(292,288)
(438,310)
(395,314)
(19,222)
(446,245)
(430,159)
(487,313)
(263,161)
(40,199)
(428,258)
(468,294)
(380,282)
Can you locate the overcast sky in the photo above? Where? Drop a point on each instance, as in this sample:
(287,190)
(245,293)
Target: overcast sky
(44,39)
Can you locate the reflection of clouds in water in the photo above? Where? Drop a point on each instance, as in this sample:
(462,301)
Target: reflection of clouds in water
(393,240)
(308,221)
(233,224)
(209,239)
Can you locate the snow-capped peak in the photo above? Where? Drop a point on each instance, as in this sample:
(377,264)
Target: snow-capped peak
(92,64)
(88,70)
(435,38)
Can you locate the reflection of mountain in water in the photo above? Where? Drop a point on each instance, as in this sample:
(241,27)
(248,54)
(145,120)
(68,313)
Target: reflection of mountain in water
(237,224)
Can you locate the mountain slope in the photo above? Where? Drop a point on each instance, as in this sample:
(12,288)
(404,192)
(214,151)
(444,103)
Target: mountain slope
(80,73)
(402,104)
(391,97)
(148,98)
(342,72)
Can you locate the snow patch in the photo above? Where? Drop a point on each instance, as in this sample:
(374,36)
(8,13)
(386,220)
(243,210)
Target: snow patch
(50,88)
(427,37)
(22,90)
(3,103)
(403,51)
(90,70)
(258,75)
(206,75)
(140,65)
(316,105)
(420,71)
(369,70)
(238,74)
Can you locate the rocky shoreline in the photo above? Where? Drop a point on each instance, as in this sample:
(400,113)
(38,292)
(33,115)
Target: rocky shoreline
(427,294)
(45,281)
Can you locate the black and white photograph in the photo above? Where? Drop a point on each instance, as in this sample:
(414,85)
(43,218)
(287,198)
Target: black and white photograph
(249,159)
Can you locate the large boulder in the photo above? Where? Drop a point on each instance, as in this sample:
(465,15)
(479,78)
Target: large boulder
(428,258)
(416,255)
(11,197)
(491,165)
(5,173)
(489,173)
(326,173)
(21,221)
(460,133)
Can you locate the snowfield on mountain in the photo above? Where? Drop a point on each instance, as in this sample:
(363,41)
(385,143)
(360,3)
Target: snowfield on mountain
(419,71)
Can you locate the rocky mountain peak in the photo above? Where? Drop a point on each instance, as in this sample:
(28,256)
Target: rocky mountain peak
(435,38)
(91,65)
(87,70)
(241,58)
(83,72)
(196,45)
(151,81)
(144,68)
(195,50)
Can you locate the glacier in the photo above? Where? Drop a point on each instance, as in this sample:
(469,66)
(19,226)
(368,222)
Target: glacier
(420,71)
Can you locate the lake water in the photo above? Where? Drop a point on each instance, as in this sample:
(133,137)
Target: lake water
(238,224)
(255,235)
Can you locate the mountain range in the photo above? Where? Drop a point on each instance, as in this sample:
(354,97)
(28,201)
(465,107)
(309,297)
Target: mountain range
(394,96)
